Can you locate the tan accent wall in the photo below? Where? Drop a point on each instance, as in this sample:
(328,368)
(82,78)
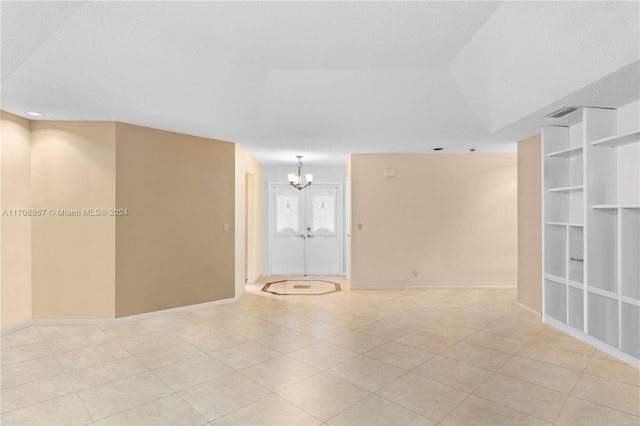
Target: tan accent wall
(248,233)
(15,250)
(173,248)
(451,217)
(530,223)
(73,168)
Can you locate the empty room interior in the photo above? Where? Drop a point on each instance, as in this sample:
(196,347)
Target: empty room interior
(320,213)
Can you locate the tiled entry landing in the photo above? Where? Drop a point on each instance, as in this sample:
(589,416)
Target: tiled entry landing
(301,287)
(442,356)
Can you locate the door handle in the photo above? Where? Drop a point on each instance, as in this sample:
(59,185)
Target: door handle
(302,236)
(309,236)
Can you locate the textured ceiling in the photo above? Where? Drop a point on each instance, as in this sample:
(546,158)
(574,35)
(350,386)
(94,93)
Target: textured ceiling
(557,49)
(321,79)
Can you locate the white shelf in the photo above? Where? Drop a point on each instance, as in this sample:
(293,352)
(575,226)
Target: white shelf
(566,153)
(615,206)
(576,284)
(630,300)
(604,293)
(619,140)
(556,279)
(577,225)
(567,189)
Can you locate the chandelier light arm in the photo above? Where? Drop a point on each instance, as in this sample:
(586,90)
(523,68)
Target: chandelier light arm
(296,179)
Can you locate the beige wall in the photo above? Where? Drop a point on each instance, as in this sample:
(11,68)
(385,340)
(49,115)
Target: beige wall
(529,223)
(172,248)
(248,235)
(348,220)
(452,217)
(15,164)
(73,168)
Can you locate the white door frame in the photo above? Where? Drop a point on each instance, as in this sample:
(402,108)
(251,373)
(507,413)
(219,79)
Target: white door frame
(340,220)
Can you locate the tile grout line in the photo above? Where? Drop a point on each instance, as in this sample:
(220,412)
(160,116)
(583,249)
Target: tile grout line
(276,393)
(50,399)
(571,392)
(399,405)
(607,407)
(527,382)
(511,408)
(380,396)
(36,380)
(515,378)
(108,382)
(494,402)
(572,389)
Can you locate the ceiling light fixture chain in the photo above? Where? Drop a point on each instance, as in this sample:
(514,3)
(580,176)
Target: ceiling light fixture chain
(295,179)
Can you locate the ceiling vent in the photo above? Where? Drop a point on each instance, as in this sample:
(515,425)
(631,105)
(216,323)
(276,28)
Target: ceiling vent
(561,112)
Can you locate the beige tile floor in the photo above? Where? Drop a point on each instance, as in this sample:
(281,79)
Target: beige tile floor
(433,357)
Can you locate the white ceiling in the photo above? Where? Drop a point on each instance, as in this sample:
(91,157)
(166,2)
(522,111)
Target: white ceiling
(321,79)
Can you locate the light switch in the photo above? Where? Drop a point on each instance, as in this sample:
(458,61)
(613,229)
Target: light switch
(226,227)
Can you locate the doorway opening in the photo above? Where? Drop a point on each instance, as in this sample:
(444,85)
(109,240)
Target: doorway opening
(249,228)
(306,230)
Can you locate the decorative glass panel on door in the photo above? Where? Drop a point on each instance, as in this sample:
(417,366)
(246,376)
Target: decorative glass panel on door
(322,214)
(286,238)
(287,214)
(323,253)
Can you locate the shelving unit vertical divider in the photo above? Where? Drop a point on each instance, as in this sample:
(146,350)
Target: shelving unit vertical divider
(619,272)
(567,233)
(583,140)
(585,234)
(598,123)
(555,205)
(543,207)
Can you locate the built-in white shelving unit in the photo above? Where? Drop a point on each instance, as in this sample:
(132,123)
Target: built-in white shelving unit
(591,199)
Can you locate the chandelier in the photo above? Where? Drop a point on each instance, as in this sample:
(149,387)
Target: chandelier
(295,179)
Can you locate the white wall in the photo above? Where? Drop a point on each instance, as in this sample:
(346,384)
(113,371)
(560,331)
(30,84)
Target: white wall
(321,174)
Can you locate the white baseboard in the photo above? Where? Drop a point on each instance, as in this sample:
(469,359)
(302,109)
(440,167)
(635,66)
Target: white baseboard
(590,340)
(116,321)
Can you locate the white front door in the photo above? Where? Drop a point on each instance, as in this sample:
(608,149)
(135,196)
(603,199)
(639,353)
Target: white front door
(306,229)
(286,230)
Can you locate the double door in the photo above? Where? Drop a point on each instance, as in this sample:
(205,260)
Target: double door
(305,229)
